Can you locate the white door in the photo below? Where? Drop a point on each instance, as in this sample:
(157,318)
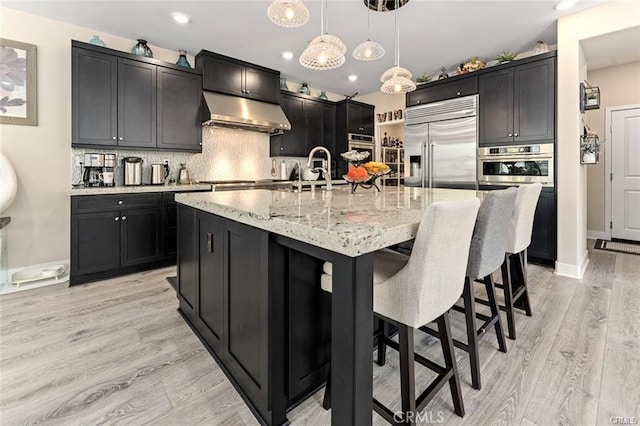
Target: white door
(625,166)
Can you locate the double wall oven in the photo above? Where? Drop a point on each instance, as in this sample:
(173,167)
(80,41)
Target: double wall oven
(516,164)
(362,143)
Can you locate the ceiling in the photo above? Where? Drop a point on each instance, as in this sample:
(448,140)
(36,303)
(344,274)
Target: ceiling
(433,34)
(617,48)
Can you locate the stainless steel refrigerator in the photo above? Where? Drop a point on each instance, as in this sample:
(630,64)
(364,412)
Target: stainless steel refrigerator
(441,142)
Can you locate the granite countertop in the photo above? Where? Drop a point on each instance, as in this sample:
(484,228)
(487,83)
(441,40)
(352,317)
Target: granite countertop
(351,224)
(104,190)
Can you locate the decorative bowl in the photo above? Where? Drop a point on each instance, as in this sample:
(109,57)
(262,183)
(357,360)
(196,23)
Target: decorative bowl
(355,155)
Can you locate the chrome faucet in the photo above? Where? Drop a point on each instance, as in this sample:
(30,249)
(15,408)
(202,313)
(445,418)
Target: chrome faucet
(327,171)
(299,184)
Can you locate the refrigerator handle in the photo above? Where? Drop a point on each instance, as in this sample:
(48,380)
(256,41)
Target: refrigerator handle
(430,165)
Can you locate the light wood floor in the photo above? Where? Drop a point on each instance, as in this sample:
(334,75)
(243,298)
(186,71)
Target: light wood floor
(117,352)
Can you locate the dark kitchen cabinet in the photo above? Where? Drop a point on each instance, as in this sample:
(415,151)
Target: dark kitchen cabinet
(114,235)
(517,104)
(543,237)
(291,142)
(312,124)
(358,117)
(140,236)
(119,99)
(179,105)
(231,76)
(268,329)
(136,104)
(442,90)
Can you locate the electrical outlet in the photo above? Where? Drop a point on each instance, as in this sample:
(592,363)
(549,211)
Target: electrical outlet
(165,161)
(77,160)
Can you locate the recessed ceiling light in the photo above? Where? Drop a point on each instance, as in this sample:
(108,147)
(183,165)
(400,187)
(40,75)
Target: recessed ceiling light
(565,4)
(287,55)
(180,18)
(353,77)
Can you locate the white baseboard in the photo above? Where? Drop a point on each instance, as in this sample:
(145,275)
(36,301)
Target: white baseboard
(571,270)
(597,235)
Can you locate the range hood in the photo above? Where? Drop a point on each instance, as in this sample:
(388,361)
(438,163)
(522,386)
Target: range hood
(243,113)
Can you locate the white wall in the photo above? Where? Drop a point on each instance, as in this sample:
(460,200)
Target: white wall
(619,85)
(572,181)
(39,229)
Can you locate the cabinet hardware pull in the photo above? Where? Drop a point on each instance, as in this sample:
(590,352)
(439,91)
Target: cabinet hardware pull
(120,138)
(209,242)
(515,134)
(114,138)
(247,92)
(458,93)
(116,219)
(120,202)
(510,135)
(124,218)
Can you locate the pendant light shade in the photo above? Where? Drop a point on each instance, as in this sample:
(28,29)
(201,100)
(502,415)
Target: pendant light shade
(395,71)
(399,84)
(368,50)
(322,55)
(397,79)
(288,13)
(324,52)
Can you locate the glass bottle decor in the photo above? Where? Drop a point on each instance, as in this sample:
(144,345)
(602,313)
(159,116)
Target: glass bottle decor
(323,95)
(304,89)
(182,60)
(283,84)
(141,49)
(95,40)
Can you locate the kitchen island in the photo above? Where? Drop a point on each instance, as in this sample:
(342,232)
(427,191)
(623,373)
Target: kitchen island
(249,266)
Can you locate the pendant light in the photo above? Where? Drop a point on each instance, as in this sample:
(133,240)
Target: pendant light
(368,50)
(324,52)
(396,79)
(288,13)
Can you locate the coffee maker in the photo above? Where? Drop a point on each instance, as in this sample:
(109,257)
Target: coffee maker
(99,169)
(93,165)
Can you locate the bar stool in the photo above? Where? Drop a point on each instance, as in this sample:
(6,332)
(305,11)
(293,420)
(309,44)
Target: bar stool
(486,254)
(411,291)
(516,254)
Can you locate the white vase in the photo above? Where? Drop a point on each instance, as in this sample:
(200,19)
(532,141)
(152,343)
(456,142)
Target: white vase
(8,183)
(588,158)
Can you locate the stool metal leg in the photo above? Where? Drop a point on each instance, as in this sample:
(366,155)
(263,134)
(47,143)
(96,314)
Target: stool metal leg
(326,401)
(450,361)
(495,311)
(407,371)
(508,296)
(382,347)
(472,336)
(522,260)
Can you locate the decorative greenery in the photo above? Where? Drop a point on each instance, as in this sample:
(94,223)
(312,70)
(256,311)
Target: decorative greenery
(424,78)
(590,143)
(506,56)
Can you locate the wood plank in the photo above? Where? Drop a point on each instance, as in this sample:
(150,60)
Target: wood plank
(570,381)
(619,391)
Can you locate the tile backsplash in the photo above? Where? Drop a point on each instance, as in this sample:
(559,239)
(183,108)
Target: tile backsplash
(227,154)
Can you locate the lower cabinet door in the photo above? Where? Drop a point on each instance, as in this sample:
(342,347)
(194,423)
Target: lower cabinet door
(95,242)
(140,236)
(187,260)
(210,303)
(246,342)
(543,236)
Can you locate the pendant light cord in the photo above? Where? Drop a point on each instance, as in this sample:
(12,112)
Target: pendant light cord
(368,15)
(397,34)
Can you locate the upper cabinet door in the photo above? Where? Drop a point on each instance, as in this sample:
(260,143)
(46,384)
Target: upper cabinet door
(262,85)
(366,120)
(179,102)
(313,116)
(94,93)
(222,76)
(534,101)
(328,127)
(292,142)
(136,104)
(496,108)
